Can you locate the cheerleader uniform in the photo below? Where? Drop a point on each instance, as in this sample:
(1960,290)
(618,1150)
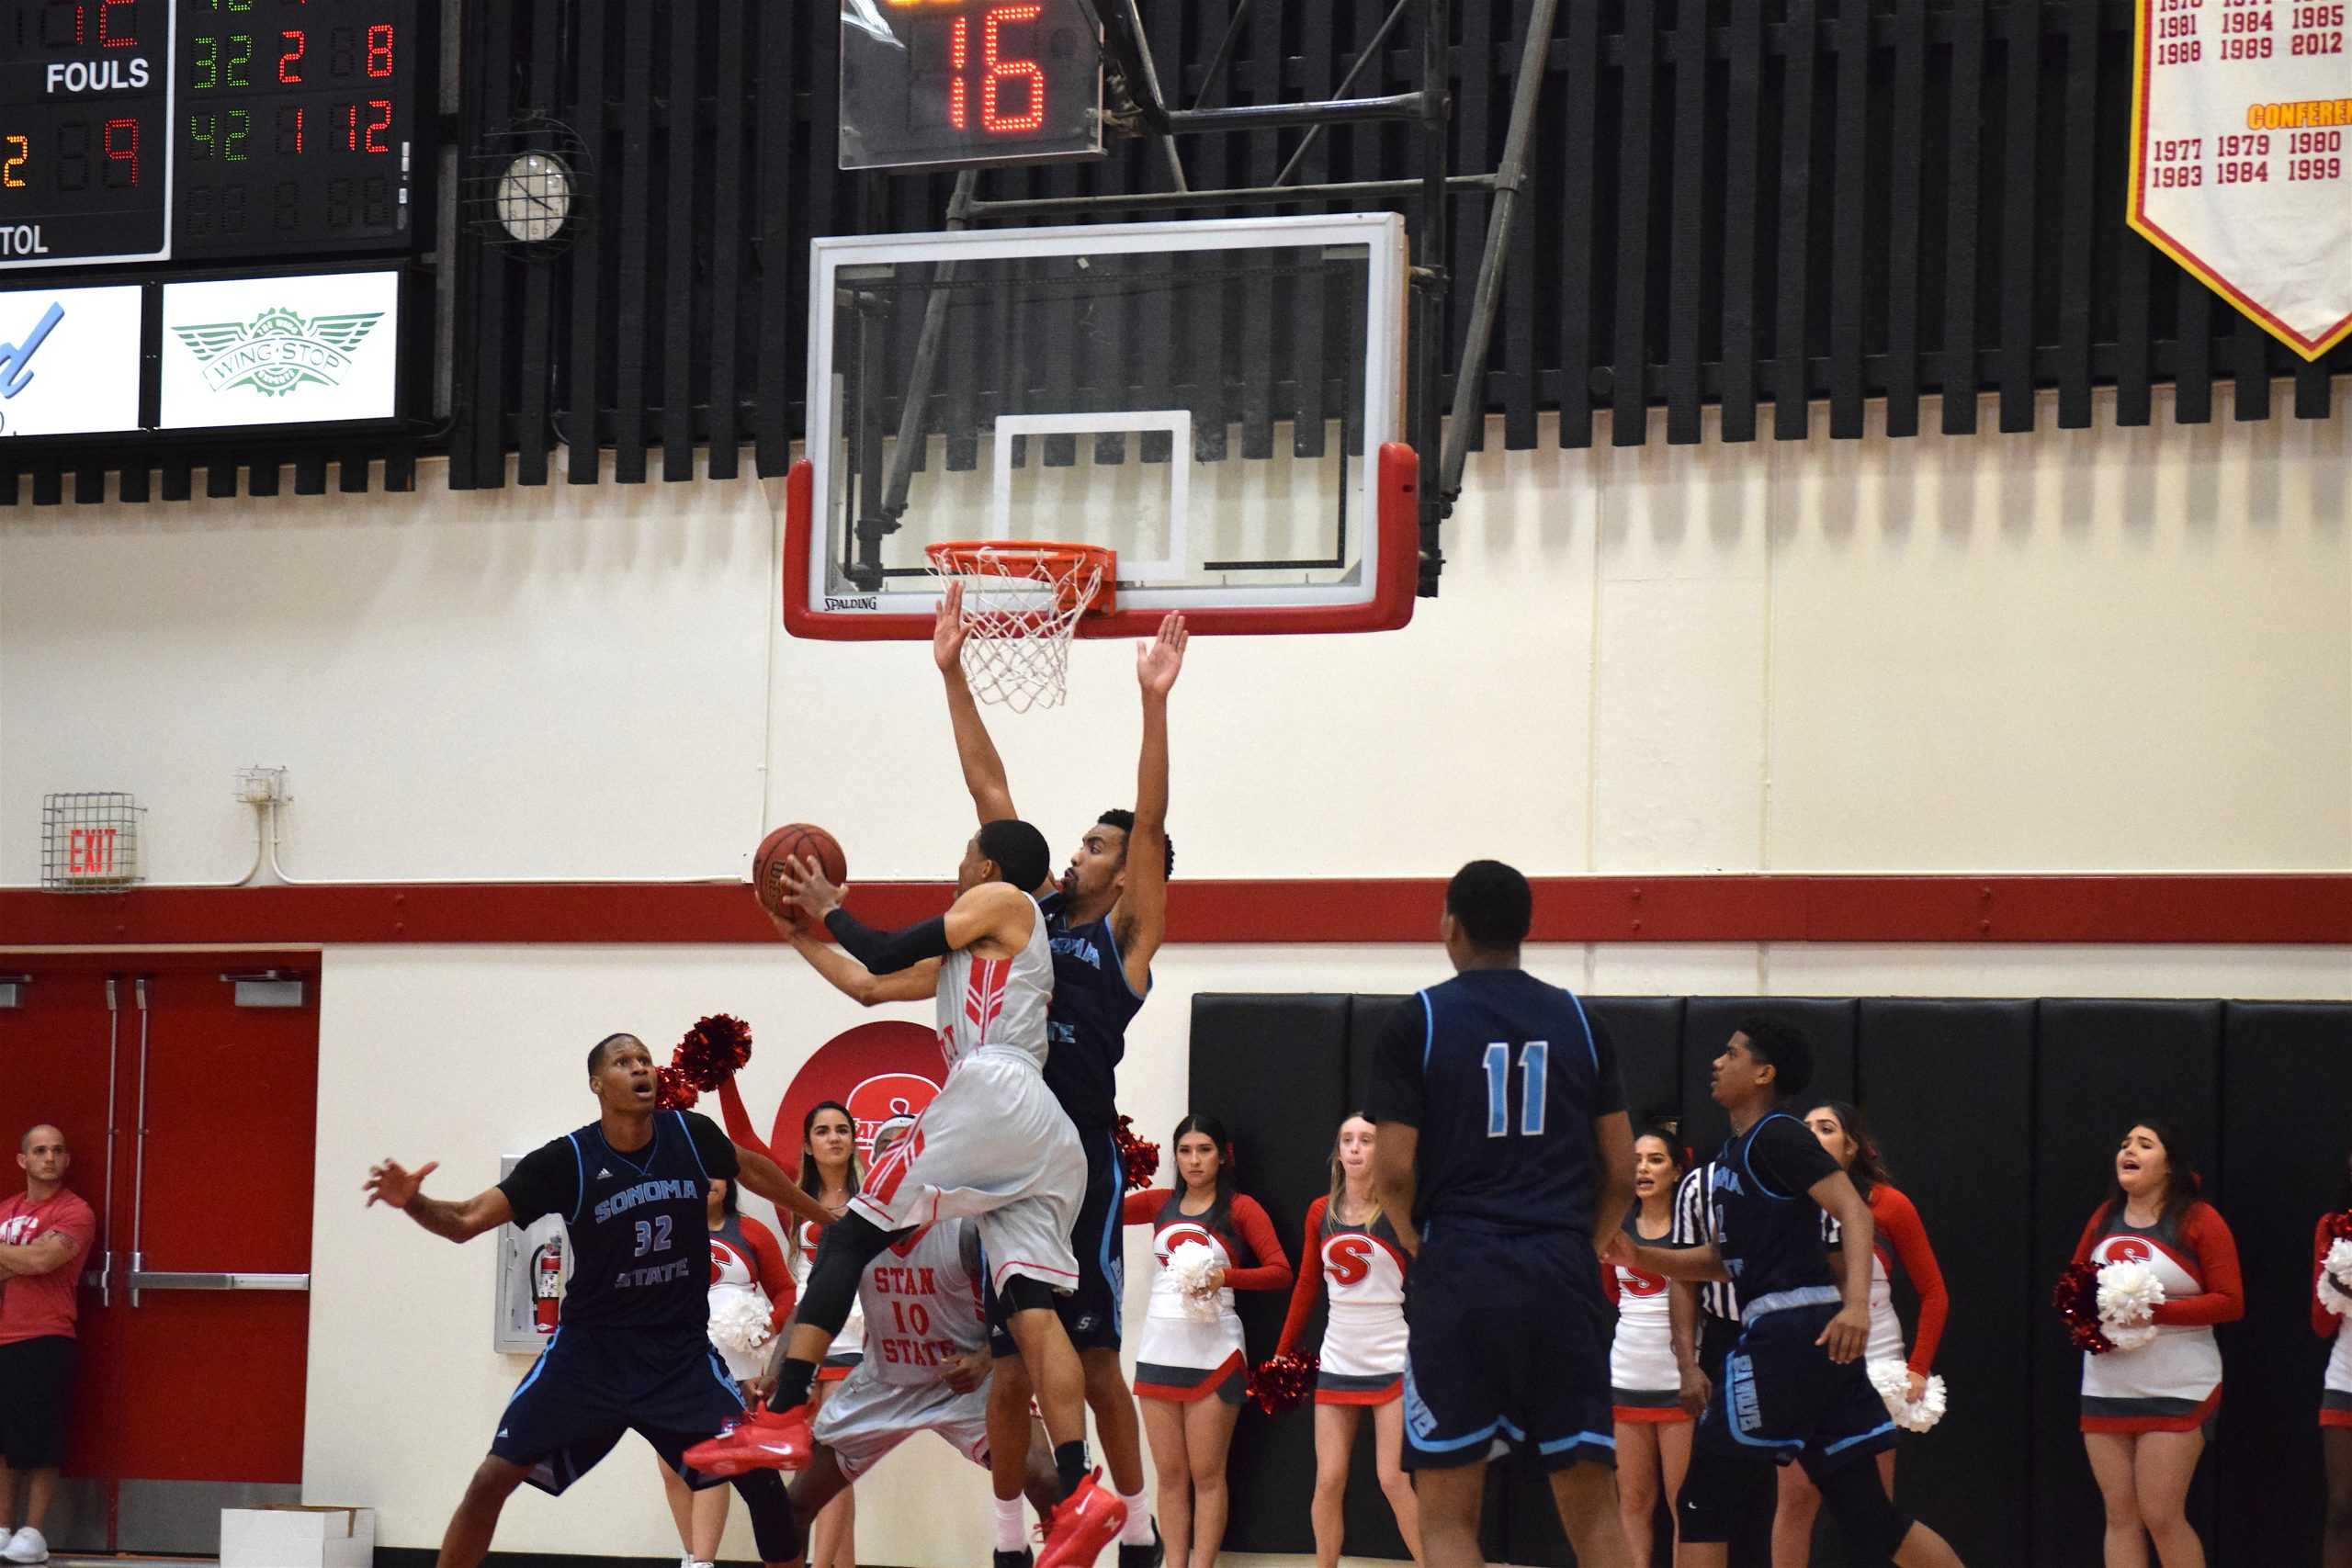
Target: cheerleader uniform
(2336,1387)
(1182,1357)
(849,1346)
(1645,1384)
(2174,1382)
(1363,1339)
(746,1262)
(1898,1234)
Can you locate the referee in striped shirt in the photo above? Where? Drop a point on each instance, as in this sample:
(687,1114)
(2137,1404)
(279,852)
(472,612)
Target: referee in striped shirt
(1705,1316)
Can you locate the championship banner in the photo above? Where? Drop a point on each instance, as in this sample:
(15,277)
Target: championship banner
(2240,114)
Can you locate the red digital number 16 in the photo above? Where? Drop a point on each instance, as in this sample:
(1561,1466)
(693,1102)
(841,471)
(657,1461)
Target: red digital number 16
(994,70)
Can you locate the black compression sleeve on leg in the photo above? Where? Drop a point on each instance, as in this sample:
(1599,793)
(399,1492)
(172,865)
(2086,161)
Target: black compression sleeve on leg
(887,953)
(851,1243)
(1719,1492)
(1025,1292)
(1873,1526)
(773,1527)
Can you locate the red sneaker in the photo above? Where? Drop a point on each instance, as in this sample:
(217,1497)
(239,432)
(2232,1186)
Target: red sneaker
(1088,1520)
(763,1440)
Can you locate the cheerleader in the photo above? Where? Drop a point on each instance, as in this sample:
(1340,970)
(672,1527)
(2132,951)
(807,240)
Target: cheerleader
(2146,1410)
(1653,1429)
(1350,1243)
(829,1169)
(1899,1236)
(1190,1368)
(2330,1322)
(746,1264)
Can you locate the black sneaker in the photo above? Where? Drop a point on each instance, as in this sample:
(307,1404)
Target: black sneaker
(1021,1559)
(1150,1556)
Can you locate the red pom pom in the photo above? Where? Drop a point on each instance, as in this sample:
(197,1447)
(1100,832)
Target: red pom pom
(2339,1227)
(674,1090)
(714,1050)
(2076,1299)
(1140,1159)
(1282,1383)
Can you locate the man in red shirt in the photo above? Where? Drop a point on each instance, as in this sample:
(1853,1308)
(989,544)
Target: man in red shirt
(45,1231)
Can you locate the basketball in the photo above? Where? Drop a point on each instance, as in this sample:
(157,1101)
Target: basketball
(795,840)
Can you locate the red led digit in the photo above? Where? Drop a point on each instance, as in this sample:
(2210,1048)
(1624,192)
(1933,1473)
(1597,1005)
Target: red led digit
(289,62)
(959,54)
(379,49)
(57,11)
(121,142)
(999,70)
(108,39)
(384,109)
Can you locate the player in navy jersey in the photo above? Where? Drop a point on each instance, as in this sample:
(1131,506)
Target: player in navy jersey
(1106,916)
(1503,1134)
(632,1352)
(1793,1389)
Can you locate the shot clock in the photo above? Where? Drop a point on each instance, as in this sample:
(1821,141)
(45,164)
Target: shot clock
(932,83)
(140,129)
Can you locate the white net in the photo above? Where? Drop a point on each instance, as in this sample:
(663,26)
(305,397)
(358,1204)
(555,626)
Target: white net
(1022,601)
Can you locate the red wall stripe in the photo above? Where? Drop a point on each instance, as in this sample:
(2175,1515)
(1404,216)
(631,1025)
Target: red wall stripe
(2266,908)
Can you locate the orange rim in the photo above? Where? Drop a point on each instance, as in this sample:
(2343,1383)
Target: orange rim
(1062,561)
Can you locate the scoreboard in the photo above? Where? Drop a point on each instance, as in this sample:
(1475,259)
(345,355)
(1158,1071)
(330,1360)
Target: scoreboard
(139,130)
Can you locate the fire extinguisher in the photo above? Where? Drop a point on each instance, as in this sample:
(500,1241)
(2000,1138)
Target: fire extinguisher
(547,1281)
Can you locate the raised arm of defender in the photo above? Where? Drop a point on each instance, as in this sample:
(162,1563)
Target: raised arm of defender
(1141,920)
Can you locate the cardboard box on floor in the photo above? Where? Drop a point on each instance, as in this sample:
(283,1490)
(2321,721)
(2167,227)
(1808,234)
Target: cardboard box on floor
(293,1535)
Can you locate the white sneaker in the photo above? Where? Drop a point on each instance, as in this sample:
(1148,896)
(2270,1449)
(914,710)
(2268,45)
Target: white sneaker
(25,1546)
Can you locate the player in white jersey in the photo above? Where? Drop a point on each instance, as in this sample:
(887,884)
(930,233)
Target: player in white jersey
(993,1147)
(927,1361)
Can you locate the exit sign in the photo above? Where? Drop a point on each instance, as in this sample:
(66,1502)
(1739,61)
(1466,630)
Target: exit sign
(89,841)
(94,854)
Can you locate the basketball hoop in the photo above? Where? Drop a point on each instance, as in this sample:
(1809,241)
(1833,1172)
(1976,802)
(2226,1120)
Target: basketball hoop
(1023,599)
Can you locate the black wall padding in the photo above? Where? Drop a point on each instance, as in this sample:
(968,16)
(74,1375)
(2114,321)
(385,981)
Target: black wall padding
(1370,1017)
(1275,1071)
(1648,1035)
(2100,1065)
(1707,1025)
(1937,1078)
(2286,1130)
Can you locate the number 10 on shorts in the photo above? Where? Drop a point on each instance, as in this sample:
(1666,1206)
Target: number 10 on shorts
(1533,1060)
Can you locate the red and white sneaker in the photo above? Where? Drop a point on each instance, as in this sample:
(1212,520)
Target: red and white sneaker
(1086,1521)
(763,1440)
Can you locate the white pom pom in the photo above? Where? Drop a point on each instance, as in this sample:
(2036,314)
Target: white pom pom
(2129,1294)
(1192,1264)
(739,1322)
(2334,1282)
(1893,1381)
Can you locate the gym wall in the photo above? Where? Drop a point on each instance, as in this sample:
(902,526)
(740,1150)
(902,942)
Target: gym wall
(2110,649)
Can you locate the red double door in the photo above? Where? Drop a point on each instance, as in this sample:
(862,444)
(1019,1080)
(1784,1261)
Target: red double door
(192,1120)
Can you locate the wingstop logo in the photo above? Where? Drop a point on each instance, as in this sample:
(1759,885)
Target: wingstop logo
(277,351)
